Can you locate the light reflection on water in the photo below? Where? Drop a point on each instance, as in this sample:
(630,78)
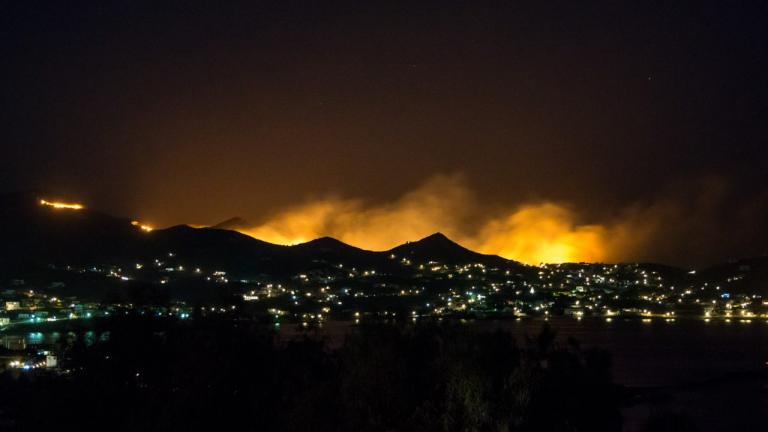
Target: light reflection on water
(49,339)
(645,352)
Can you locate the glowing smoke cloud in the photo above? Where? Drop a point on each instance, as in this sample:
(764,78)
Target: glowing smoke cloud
(534,233)
(545,232)
(439,204)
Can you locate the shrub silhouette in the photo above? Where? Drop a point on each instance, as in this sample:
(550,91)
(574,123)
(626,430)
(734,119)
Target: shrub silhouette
(214,374)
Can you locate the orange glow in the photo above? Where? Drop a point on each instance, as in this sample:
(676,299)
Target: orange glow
(145,228)
(544,232)
(533,234)
(61,205)
(419,213)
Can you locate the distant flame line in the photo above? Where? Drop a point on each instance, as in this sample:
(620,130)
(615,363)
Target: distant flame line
(61,205)
(141,226)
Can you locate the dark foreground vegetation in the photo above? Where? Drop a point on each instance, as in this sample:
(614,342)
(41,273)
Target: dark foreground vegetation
(217,376)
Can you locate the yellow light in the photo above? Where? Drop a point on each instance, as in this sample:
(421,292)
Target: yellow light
(61,205)
(532,233)
(145,228)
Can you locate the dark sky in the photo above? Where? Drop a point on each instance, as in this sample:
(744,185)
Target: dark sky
(198,111)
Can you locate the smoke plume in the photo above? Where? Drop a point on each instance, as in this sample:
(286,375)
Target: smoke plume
(678,223)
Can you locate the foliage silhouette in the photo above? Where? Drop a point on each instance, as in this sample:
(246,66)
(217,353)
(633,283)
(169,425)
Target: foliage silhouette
(164,375)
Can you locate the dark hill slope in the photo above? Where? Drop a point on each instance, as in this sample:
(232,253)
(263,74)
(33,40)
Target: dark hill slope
(438,247)
(33,234)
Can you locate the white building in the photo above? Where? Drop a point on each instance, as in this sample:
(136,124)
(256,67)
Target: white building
(51,361)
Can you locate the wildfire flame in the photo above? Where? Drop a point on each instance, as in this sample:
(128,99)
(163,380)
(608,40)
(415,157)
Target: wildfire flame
(145,228)
(62,205)
(543,232)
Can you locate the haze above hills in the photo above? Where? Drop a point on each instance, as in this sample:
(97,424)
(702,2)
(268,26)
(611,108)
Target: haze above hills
(37,235)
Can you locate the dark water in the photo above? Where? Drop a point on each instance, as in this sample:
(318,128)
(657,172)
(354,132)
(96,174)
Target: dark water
(17,341)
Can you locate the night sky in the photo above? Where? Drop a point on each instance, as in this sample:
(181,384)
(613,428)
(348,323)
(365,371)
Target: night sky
(624,130)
